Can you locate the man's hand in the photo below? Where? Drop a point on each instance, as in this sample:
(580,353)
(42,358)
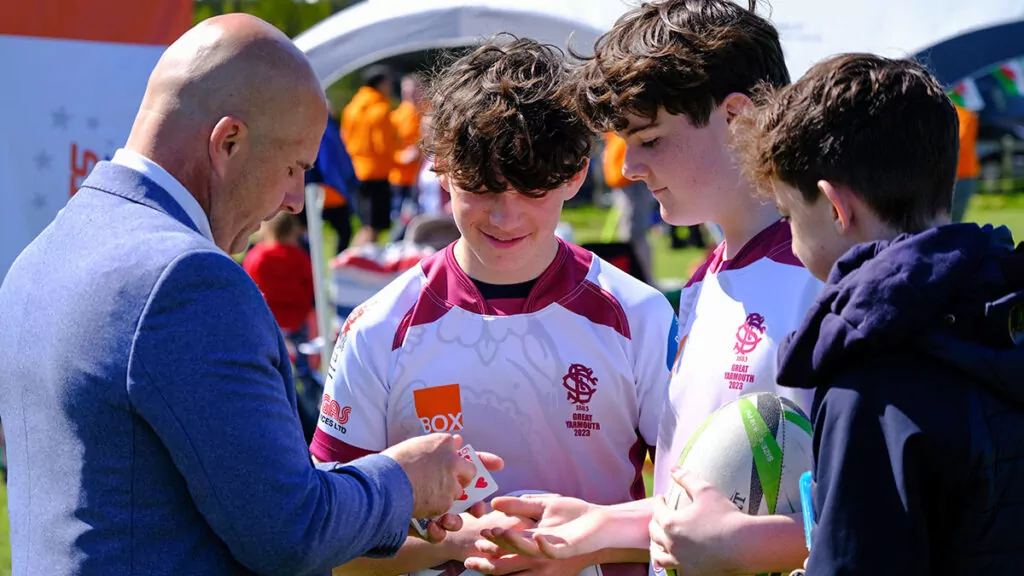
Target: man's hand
(437,475)
(697,538)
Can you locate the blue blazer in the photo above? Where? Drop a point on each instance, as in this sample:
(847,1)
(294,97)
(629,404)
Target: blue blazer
(149,411)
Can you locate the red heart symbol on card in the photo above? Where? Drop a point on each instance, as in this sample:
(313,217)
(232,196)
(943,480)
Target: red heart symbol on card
(481,482)
(464,496)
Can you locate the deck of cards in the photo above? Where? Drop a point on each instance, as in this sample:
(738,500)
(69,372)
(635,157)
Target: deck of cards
(482,486)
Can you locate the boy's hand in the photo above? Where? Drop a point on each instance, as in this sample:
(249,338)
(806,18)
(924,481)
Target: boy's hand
(525,566)
(565,527)
(462,544)
(697,538)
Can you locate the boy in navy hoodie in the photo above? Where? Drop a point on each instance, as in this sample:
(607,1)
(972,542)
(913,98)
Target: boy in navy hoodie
(915,343)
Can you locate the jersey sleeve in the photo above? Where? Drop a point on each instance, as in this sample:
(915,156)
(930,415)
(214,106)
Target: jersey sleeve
(657,345)
(353,412)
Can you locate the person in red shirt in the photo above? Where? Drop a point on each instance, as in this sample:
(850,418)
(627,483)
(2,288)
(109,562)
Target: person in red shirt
(283,271)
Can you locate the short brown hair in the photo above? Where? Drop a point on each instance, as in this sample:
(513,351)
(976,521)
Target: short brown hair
(500,119)
(283,226)
(683,55)
(883,127)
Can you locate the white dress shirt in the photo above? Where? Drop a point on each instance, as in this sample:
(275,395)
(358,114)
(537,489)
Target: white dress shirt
(163,178)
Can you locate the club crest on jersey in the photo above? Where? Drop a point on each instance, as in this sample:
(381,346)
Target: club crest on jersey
(581,384)
(750,334)
(333,414)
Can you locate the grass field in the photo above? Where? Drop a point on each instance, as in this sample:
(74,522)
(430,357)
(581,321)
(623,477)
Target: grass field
(668,265)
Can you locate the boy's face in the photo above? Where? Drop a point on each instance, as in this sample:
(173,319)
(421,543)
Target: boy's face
(687,168)
(817,240)
(507,237)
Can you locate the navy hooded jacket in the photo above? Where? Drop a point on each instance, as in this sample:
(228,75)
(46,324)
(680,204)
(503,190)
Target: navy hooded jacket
(919,409)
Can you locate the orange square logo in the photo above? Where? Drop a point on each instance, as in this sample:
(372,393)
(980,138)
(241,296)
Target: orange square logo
(439,408)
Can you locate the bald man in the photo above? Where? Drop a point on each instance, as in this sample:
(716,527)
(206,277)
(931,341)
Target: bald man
(145,390)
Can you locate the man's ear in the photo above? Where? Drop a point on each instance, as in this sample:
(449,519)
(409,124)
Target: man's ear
(842,205)
(227,139)
(735,104)
(576,182)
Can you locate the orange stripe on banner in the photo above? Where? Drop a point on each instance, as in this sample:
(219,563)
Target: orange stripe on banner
(157,22)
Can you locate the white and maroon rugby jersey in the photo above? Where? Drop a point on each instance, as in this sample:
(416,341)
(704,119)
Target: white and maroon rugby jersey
(732,315)
(569,391)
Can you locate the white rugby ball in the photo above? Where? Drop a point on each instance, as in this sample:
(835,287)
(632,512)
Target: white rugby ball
(754,449)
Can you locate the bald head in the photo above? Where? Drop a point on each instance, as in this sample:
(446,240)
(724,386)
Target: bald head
(231,97)
(231,65)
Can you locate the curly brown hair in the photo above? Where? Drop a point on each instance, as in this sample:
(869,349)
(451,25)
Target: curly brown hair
(683,55)
(500,118)
(883,127)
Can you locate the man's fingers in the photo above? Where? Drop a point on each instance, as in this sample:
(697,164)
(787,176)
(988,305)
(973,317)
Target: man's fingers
(465,471)
(435,533)
(492,462)
(532,508)
(450,522)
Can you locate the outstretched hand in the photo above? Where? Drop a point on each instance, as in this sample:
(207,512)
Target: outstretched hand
(564,526)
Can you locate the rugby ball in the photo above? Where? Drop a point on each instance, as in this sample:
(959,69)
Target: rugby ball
(754,449)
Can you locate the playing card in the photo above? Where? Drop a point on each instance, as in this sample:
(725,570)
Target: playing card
(420,524)
(482,486)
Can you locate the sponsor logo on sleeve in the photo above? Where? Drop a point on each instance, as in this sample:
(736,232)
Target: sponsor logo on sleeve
(334,415)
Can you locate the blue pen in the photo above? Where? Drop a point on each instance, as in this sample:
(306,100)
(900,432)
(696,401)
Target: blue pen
(805,504)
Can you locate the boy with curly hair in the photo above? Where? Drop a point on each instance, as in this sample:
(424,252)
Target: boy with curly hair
(526,345)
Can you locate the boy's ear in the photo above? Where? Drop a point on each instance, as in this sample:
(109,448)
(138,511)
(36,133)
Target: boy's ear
(735,104)
(842,205)
(576,182)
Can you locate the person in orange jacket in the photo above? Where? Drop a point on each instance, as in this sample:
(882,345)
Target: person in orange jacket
(634,199)
(406,120)
(968,168)
(371,141)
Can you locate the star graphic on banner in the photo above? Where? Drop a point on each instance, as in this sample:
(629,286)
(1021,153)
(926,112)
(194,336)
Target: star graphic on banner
(38,201)
(60,118)
(92,123)
(42,160)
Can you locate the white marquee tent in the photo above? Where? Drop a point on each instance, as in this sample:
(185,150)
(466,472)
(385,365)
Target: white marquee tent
(811,29)
(373,30)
